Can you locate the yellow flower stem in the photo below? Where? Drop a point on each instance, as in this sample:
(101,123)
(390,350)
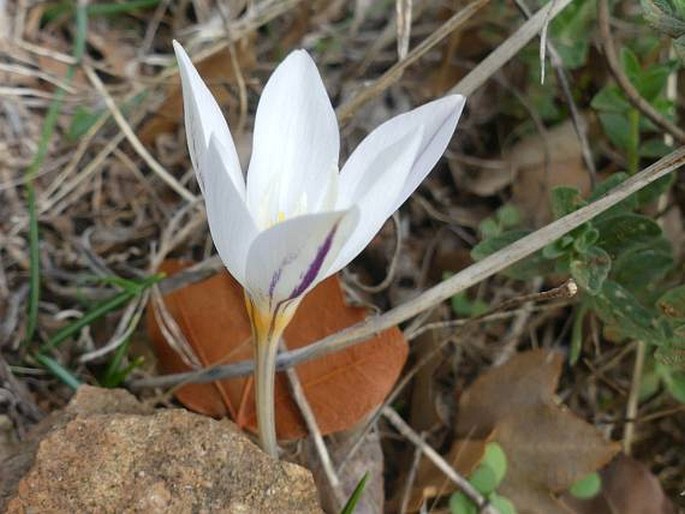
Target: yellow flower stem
(264,378)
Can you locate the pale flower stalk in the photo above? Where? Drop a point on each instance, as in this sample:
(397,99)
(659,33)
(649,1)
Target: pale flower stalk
(296,220)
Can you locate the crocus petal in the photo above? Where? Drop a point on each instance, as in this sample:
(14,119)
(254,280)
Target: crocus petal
(230,223)
(329,192)
(203,118)
(380,182)
(438,119)
(296,142)
(287,260)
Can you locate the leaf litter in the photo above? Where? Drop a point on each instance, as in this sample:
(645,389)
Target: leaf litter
(341,388)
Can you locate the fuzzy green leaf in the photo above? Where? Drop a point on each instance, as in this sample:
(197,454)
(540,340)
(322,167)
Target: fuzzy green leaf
(591,269)
(619,233)
(672,303)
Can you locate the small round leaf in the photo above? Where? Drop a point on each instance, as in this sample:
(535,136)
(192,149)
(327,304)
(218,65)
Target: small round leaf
(484,479)
(587,487)
(460,504)
(502,504)
(496,459)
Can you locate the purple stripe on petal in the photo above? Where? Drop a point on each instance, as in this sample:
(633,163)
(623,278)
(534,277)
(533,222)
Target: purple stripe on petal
(274,280)
(315,265)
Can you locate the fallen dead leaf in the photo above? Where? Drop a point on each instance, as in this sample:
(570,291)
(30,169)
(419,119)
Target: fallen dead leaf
(534,178)
(341,387)
(528,379)
(118,54)
(548,448)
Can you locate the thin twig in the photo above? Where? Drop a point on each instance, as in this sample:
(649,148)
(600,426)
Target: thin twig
(634,397)
(390,275)
(312,426)
(169,179)
(496,313)
(632,94)
(127,324)
(411,477)
(348,109)
(461,281)
(579,123)
(509,48)
(195,273)
(403,10)
(464,485)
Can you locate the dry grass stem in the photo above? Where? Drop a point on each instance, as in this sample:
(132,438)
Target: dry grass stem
(464,485)
(509,48)
(472,275)
(347,110)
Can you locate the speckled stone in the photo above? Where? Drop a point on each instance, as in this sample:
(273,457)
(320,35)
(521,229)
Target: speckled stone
(108,453)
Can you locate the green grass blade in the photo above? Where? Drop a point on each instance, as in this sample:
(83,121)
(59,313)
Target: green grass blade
(89,317)
(34,167)
(58,370)
(105,9)
(97,312)
(34,265)
(355,496)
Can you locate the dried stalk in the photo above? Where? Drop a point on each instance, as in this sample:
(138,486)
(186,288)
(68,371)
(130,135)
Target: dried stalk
(472,275)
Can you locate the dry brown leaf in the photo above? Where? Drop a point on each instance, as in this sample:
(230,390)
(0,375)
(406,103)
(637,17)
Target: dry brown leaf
(548,449)
(526,380)
(341,387)
(534,180)
(118,52)
(628,487)
(481,181)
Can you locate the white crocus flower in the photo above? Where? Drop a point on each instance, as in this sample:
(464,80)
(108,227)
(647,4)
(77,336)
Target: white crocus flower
(296,220)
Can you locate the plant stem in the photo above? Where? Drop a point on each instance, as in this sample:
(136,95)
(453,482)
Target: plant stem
(634,149)
(634,397)
(264,378)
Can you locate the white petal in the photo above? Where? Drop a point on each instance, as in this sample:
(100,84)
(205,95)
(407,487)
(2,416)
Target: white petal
(230,223)
(203,118)
(438,118)
(290,258)
(296,142)
(380,182)
(329,187)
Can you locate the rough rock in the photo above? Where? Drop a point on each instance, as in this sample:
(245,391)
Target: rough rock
(106,452)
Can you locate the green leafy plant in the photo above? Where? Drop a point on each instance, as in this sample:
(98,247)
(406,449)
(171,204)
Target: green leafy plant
(571,33)
(117,370)
(464,306)
(486,478)
(623,124)
(623,265)
(668,17)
